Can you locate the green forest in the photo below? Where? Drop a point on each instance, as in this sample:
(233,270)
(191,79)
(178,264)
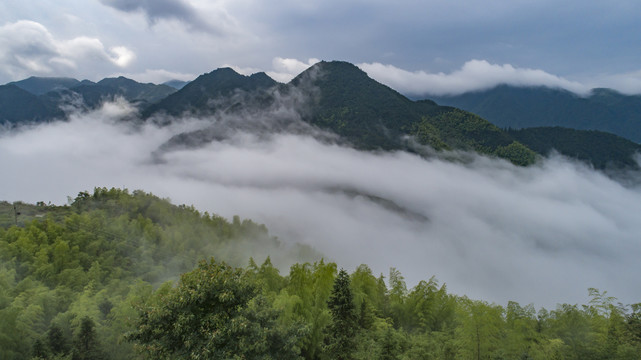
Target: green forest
(127,275)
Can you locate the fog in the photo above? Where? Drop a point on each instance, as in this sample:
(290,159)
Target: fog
(490,230)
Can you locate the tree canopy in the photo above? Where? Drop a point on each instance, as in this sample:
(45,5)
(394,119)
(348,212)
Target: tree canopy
(100,279)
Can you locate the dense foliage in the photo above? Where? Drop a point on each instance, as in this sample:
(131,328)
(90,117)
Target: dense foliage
(89,281)
(599,149)
(98,255)
(373,116)
(457,129)
(340,316)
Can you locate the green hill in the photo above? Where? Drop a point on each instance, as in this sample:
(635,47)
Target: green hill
(41,98)
(373,116)
(523,107)
(600,149)
(120,275)
(135,91)
(210,92)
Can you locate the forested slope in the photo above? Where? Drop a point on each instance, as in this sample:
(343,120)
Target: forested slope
(89,281)
(600,149)
(98,255)
(522,107)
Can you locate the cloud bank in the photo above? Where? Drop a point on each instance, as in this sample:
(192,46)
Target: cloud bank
(474,75)
(29,49)
(490,230)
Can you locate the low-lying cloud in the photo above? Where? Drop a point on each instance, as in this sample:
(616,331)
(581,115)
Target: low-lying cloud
(474,75)
(488,229)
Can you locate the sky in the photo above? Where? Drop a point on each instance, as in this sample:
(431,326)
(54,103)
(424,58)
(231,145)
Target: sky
(416,47)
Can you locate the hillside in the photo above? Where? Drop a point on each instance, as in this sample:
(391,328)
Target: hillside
(210,92)
(523,107)
(99,279)
(600,149)
(38,99)
(373,116)
(20,106)
(340,98)
(41,85)
(135,91)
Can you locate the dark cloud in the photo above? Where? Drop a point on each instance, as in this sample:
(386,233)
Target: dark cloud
(156,10)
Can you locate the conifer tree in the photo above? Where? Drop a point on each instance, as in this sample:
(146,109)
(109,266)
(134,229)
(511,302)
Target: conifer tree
(342,331)
(56,340)
(86,345)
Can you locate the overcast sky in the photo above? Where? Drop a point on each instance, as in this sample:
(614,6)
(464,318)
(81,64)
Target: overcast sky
(416,47)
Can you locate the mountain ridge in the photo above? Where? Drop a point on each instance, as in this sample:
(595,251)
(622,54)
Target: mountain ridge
(198,94)
(522,107)
(334,96)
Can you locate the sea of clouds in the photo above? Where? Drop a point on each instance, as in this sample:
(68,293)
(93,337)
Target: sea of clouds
(488,229)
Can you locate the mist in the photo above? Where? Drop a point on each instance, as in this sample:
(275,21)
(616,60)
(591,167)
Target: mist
(489,230)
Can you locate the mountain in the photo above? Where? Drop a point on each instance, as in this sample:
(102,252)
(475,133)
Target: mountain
(42,85)
(341,99)
(522,107)
(210,92)
(39,99)
(373,116)
(18,105)
(602,150)
(94,94)
(337,97)
(135,91)
(176,84)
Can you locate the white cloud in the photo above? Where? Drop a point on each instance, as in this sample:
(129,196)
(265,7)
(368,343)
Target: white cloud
(156,76)
(28,48)
(122,56)
(474,75)
(497,232)
(285,69)
(627,83)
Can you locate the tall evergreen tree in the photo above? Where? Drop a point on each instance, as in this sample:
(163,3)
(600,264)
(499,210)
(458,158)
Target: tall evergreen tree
(56,340)
(86,345)
(342,331)
(39,350)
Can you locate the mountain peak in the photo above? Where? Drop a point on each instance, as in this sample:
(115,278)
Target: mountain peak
(41,85)
(196,96)
(332,70)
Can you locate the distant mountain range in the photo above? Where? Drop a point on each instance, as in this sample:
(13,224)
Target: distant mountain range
(339,98)
(38,99)
(524,107)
